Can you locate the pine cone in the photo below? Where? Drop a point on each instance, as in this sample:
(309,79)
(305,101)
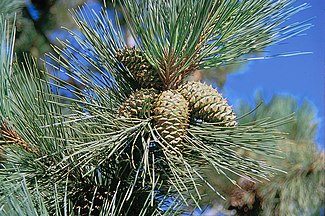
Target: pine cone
(245,195)
(88,196)
(139,104)
(245,200)
(207,104)
(171,115)
(136,62)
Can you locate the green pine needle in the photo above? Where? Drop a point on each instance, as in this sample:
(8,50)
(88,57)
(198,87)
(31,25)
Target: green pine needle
(82,140)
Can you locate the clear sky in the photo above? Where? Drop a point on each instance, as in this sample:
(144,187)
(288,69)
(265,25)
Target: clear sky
(300,76)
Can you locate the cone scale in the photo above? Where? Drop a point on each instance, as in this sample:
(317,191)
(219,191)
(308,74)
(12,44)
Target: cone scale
(207,104)
(143,72)
(139,104)
(171,115)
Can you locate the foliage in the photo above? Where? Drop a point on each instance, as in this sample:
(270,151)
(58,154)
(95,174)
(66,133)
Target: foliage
(10,7)
(207,34)
(300,191)
(81,150)
(302,128)
(7,39)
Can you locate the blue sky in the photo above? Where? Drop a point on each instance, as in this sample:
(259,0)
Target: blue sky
(300,76)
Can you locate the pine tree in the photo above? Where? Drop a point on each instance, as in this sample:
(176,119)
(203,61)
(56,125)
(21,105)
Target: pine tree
(134,138)
(300,191)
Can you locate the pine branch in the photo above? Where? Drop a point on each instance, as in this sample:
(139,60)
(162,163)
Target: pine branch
(148,156)
(113,136)
(169,32)
(7,36)
(20,200)
(303,128)
(180,35)
(242,33)
(136,162)
(9,8)
(301,190)
(39,121)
